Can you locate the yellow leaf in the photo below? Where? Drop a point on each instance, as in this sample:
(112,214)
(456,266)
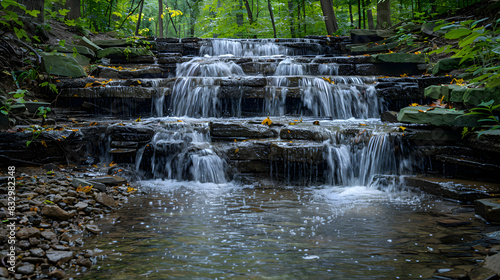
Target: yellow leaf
(44,144)
(130,189)
(413,104)
(88,85)
(267,121)
(138,120)
(292,123)
(179,120)
(402,128)
(362,124)
(237,150)
(316,122)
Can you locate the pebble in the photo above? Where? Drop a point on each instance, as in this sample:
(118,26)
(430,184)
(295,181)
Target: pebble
(59,256)
(54,211)
(26,233)
(26,269)
(37,252)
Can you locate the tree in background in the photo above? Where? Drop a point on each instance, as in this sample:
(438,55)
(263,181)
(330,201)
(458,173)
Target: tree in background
(384,14)
(329,16)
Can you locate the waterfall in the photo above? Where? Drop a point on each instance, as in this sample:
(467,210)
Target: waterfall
(242,48)
(339,101)
(356,163)
(289,68)
(195,92)
(182,153)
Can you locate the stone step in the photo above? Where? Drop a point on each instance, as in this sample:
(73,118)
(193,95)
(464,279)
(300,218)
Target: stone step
(457,189)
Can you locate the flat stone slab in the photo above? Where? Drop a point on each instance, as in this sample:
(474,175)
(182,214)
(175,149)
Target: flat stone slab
(463,190)
(436,116)
(489,209)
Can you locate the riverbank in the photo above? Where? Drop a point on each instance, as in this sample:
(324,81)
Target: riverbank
(56,210)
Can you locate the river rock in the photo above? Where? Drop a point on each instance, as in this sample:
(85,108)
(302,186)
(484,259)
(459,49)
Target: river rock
(110,180)
(4,272)
(482,273)
(55,256)
(26,269)
(37,252)
(25,233)
(493,263)
(48,234)
(489,209)
(105,199)
(56,212)
(78,182)
(234,131)
(446,65)
(58,274)
(81,205)
(93,228)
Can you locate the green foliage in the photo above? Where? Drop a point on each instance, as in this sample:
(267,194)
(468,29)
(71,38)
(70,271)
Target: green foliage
(479,44)
(17,97)
(485,111)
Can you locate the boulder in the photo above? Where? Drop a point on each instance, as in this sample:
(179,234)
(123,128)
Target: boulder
(119,52)
(489,209)
(366,35)
(61,65)
(493,263)
(446,65)
(436,116)
(369,48)
(437,92)
(411,26)
(84,41)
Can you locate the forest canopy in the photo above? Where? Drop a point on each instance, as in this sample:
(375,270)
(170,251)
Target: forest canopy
(236,18)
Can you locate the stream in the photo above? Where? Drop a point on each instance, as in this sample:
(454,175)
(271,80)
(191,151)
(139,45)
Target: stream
(187,230)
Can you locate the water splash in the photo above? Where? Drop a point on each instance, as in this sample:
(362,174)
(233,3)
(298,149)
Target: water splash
(368,155)
(240,48)
(288,67)
(182,153)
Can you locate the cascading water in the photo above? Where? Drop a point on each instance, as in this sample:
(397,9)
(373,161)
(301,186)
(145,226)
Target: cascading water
(355,163)
(182,153)
(243,48)
(195,92)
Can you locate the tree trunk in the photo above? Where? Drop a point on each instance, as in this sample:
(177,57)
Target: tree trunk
(270,7)
(350,14)
(384,14)
(369,15)
(359,14)
(74,9)
(329,16)
(160,19)
(292,20)
(137,26)
(304,11)
(363,13)
(34,5)
(249,12)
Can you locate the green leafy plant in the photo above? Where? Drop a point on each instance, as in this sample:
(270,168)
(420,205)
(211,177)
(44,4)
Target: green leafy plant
(11,20)
(17,97)
(35,132)
(477,44)
(485,111)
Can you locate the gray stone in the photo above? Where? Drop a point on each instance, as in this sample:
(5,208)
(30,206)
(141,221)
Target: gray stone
(399,58)
(26,269)
(493,263)
(105,199)
(61,65)
(48,234)
(93,228)
(482,273)
(37,252)
(71,48)
(4,272)
(126,53)
(84,41)
(78,182)
(110,180)
(489,209)
(59,256)
(56,212)
(389,116)
(81,205)
(25,233)
(446,65)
